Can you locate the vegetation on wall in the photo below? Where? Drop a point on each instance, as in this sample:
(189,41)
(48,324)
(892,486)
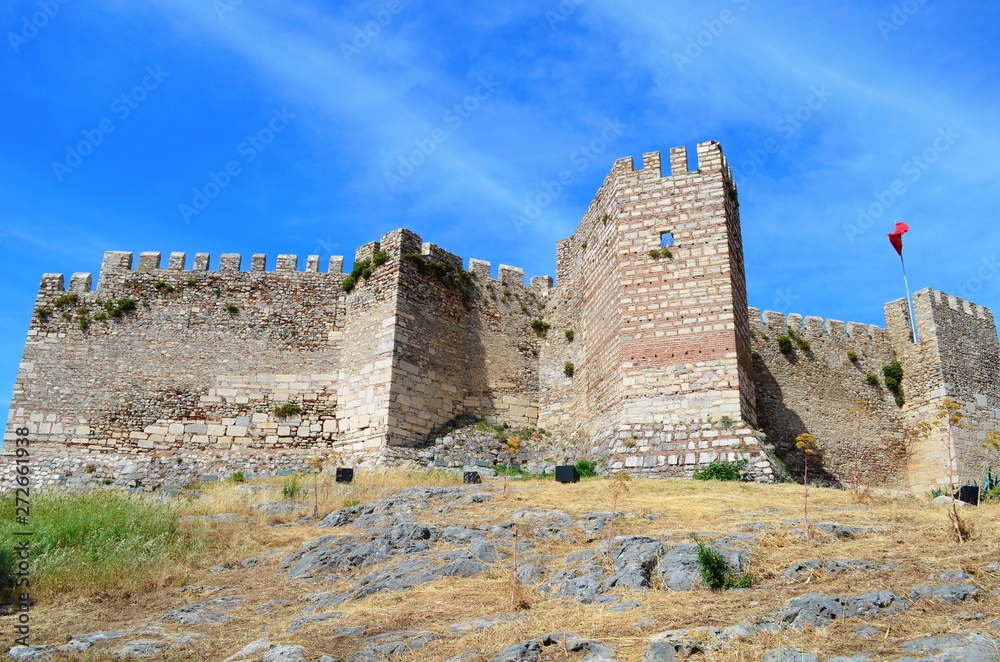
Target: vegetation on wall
(893,373)
(569,368)
(658,253)
(363,269)
(540,327)
(287,409)
(457,279)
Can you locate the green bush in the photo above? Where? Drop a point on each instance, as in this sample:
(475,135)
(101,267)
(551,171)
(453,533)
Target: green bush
(97,540)
(66,300)
(118,308)
(586,468)
(287,409)
(569,335)
(238,477)
(716,572)
(44,314)
(872,379)
(569,368)
(290,488)
(852,356)
(232,308)
(726,471)
(658,253)
(191,282)
(802,343)
(540,327)
(785,344)
(894,380)
(363,269)
(161,286)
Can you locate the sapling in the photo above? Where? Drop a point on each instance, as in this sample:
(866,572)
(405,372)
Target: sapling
(316,464)
(861,413)
(950,415)
(512,446)
(806,443)
(619,485)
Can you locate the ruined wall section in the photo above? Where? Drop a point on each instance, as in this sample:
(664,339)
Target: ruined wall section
(199,363)
(814,390)
(957,358)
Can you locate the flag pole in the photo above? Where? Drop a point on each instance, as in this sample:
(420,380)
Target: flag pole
(909,299)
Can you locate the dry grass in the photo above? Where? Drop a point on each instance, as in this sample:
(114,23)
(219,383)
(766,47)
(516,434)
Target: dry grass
(917,540)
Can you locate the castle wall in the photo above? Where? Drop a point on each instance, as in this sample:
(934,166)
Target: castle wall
(182,370)
(957,358)
(815,391)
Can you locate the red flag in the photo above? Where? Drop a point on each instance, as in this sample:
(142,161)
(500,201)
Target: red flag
(896,238)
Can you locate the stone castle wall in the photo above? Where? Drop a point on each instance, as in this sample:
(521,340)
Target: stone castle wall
(650,363)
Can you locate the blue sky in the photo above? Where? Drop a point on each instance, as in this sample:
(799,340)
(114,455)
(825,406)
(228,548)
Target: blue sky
(340,122)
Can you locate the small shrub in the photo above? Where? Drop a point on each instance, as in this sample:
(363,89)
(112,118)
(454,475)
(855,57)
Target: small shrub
(119,308)
(99,317)
(287,409)
(482,425)
(232,308)
(726,422)
(852,356)
(66,300)
(238,477)
(584,245)
(894,380)
(44,314)
(379,258)
(724,471)
(569,368)
(604,219)
(569,335)
(191,282)
(290,488)
(586,468)
(658,253)
(161,286)
(629,443)
(872,379)
(349,282)
(84,322)
(68,316)
(785,344)
(716,572)
(540,327)
(351,501)
(802,343)
(764,336)
(215,290)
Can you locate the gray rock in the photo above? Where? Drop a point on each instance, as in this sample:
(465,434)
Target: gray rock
(818,609)
(286,653)
(183,638)
(634,558)
(530,573)
(526,651)
(464,656)
(302,621)
(850,658)
(137,648)
(844,531)
(866,632)
(971,646)
(30,653)
(485,551)
(343,517)
(789,655)
(391,644)
(485,623)
(694,640)
(269,606)
(945,500)
(332,553)
(659,651)
(627,605)
(280,508)
(956,576)
(260,559)
(950,593)
(251,649)
(462,535)
(204,612)
(806,569)
(583,584)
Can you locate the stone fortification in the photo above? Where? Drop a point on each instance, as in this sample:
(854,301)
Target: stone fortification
(642,354)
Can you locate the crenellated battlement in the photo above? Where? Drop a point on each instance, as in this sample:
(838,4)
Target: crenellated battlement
(815,326)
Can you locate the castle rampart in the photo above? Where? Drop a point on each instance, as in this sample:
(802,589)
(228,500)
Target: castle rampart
(642,354)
